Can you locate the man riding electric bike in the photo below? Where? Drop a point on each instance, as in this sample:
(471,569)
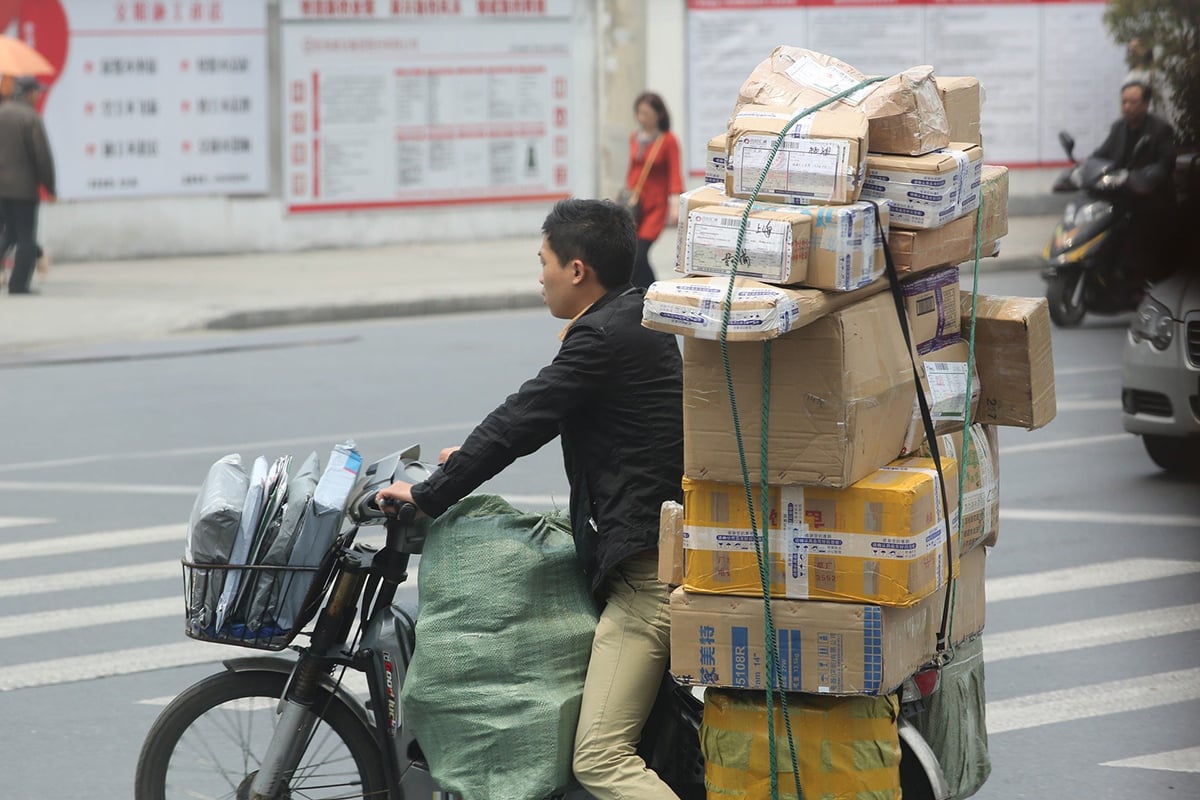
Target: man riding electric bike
(1110,245)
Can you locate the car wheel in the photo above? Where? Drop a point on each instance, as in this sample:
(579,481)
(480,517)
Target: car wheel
(1176,454)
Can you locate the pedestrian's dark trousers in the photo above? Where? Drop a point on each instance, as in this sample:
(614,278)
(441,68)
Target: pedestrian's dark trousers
(20,220)
(643,275)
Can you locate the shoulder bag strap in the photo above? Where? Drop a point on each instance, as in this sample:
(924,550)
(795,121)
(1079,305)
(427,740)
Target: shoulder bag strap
(637,189)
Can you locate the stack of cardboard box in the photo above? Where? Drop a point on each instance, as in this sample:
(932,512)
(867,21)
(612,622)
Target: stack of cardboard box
(862,548)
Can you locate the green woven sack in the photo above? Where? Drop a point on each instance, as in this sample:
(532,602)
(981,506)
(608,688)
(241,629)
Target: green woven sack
(504,634)
(954,723)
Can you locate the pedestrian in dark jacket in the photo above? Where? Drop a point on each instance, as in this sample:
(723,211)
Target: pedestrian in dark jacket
(613,393)
(26,166)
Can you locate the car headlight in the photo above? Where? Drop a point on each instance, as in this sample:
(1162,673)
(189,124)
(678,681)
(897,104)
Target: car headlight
(1153,323)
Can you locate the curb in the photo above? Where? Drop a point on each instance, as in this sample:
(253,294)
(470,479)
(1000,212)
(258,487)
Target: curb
(305,315)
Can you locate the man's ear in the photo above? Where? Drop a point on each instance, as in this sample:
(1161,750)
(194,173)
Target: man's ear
(579,272)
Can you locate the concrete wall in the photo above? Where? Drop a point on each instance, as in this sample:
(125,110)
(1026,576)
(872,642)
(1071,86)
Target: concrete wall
(622,47)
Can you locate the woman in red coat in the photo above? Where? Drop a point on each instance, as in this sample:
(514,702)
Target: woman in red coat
(663,183)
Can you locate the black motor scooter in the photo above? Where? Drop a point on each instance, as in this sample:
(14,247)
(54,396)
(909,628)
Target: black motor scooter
(1082,271)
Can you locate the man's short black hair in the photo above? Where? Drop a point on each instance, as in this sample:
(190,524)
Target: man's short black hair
(599,233)
(1147,92)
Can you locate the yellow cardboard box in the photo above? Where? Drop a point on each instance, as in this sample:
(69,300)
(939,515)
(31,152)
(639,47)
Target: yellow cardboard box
(882,540)
(846,747)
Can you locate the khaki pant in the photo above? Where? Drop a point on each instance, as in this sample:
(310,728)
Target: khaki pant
(629,656)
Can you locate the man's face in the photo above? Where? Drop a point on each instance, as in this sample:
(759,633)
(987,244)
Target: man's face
(1133,106)
(558,283)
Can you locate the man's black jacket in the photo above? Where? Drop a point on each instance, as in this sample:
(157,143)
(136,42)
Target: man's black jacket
(1161,150)
(614,393)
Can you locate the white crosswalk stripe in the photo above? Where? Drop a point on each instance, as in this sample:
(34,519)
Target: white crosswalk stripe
(1094,632)
(1010,714)
(59,545)
(1096,700)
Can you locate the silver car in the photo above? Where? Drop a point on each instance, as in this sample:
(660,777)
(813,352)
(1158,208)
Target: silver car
(1160,373)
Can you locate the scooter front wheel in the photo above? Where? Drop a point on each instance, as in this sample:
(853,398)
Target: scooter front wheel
(209,741)
(1065,293)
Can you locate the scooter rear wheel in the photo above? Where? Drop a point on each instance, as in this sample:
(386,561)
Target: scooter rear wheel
(209,741)
(1066,310)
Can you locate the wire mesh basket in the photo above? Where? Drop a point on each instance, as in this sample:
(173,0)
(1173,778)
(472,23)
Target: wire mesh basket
(252,605)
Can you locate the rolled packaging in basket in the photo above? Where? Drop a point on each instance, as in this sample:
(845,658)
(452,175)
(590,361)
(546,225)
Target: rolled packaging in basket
(260,480)
(266,587)
(212,529)
(318,527)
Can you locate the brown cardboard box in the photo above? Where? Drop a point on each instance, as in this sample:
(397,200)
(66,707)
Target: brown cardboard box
(954,242)
(905,111)
(696,306)
(714,164)
(881,540)
(961,98)
(1015,359)
(670,543)
(838,248)
(926,191)
(775,243)
(981,483)
(944,379)
(824,648)
(969,607)
(821,159)
(931,302)
(841,392)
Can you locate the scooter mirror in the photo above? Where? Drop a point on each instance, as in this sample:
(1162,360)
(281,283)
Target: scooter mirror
(1068,144)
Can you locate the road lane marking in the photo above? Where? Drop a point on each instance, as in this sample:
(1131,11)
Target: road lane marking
(1063,444)
(1096,700)
(1089,405)
(72,546)
(1093,632)
(73,669)
(1101,517)
(1059,373)
(20,522)
(1185,760)
(1090,576)
(244,447)
(91,578)
(75,487)
(64,619)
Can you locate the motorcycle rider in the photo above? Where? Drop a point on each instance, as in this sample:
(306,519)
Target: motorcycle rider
(1150,197)
(613,394)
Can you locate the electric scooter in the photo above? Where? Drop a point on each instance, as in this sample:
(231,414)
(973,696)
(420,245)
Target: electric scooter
(270,728)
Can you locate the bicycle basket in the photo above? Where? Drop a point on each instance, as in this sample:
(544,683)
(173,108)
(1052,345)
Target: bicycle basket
(253,605)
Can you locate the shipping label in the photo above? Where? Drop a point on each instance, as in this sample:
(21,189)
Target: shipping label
(712,247)
(809,170)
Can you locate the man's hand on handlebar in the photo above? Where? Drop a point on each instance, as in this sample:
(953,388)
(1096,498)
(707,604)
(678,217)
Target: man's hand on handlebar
(393,497)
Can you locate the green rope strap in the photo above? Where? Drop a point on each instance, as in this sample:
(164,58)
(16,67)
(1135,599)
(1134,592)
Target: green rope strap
(966,445)
(761,543)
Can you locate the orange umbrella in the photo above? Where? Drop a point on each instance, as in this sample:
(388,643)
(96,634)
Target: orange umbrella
(18,58)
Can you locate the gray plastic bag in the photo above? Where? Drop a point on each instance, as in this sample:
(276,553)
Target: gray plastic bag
(212,529)
(270,585)
(504,634)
